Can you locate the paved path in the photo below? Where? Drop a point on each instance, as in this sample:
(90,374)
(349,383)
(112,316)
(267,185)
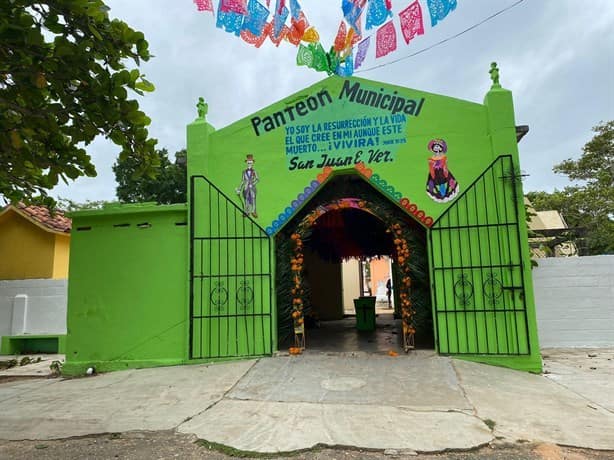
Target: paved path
(421,402)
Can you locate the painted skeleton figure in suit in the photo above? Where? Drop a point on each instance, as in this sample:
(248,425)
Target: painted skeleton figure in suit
(247,188)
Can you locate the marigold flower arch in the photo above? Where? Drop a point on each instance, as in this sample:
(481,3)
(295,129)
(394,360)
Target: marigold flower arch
(402,255)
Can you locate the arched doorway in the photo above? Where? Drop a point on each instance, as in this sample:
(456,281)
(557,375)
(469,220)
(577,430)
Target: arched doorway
(348,219)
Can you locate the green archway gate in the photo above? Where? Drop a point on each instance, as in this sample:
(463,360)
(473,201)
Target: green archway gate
(479,300)
(230,278)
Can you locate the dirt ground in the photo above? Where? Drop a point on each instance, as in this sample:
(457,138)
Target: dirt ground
(170,445)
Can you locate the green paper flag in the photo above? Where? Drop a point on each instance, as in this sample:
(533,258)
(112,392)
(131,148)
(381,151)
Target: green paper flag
(320,59)
(304,56)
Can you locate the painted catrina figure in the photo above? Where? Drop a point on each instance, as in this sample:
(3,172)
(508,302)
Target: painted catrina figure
(441,185)
(247,189)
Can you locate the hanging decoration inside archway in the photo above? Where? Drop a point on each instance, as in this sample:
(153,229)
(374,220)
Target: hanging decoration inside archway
(254,22)
(398,232)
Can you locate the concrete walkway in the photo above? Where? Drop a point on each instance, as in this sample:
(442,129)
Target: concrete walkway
(421,402)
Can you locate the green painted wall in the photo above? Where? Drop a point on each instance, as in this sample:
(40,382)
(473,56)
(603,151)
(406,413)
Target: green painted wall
(463,125)
(127,304)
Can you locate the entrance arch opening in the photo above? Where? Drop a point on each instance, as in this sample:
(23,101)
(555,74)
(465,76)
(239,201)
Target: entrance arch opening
(349,220)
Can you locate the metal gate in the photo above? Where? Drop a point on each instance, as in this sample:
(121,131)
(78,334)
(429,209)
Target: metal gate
(230,277)
(477,265)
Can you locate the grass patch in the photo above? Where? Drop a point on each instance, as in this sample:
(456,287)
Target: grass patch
(490,423)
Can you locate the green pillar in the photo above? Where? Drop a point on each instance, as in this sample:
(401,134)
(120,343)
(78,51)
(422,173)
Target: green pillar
(198,142)
(502,131)
(197,163)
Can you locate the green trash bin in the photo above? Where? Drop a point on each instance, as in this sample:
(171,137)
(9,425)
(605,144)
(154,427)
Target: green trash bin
(365,313)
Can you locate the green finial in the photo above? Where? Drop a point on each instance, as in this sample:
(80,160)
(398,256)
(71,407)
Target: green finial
(203,108)
(494,75)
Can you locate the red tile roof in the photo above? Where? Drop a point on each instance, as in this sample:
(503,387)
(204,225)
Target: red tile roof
(57,222)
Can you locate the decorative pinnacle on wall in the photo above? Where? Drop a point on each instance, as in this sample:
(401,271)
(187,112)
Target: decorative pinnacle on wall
(202,108)
(494,75)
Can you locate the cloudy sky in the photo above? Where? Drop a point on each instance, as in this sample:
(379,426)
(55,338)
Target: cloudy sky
(556,56)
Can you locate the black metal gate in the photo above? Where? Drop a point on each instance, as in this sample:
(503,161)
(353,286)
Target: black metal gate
(230,277)
(477,265)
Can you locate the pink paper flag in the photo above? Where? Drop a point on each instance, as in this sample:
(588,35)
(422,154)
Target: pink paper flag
(233,6)
(411,21)
(204,5)
(386,40)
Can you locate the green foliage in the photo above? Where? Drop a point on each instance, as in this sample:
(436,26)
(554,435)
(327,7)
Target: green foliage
(68,205)
(56,368)
(167,186)
(589,206)
(64,81)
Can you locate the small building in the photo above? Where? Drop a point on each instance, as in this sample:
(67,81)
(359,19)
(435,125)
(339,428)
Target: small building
(34,244)
(34,255)
(277,201)
(550,234)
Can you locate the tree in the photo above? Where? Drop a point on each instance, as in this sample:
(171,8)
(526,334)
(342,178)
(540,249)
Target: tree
(64,81)
(590,205)
(167,186)
(68,205)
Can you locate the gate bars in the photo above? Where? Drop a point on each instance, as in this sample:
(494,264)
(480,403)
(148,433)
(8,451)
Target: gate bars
(477,266)
(230,277)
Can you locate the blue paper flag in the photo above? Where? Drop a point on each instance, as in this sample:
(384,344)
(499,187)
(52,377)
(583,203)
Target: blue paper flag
(439,9)
(230,22)
(377,13)
(352,10)
(257,15)
(279,20)
(346,68)
(295,9)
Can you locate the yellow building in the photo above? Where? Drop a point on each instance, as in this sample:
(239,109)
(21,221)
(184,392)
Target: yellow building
(33,243)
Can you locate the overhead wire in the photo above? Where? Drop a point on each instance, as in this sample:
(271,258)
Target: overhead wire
(445,40)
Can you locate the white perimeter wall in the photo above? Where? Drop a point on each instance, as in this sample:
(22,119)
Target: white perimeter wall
(574,299)
(33,307)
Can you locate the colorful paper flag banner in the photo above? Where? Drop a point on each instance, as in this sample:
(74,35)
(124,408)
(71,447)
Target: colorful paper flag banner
(256,17)
(346,67)
(295,9)
(411,21)
(304,56)
(204,5)
(249,19)
(352,12)
(229,21)
(377,13)
(311,35)
(256,40)
(339,44)
(279,20)
(385,40)
(439,9)
(363,47)
(233,6)
(297,29)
